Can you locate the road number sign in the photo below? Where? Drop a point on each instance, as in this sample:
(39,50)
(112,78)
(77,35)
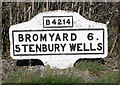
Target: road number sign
(57,21)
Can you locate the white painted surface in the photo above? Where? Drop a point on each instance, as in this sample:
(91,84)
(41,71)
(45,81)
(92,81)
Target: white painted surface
(62,60)
(58,42)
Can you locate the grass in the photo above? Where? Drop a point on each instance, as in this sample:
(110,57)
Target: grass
(0,81)
(22,77)
(109,77)
(94,67)
(55,79)
(100,73)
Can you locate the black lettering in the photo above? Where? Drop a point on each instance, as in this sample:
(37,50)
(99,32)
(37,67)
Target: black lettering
(57,37)
(50,47)
(51,36)
(63,21)
(59,22)
(99,46)
(54,22)
(35,37)
(63,47)
(38,48)
(27,37)
(84,45)
(68,21)
(65,36)
(57,47)
(47,22)
(20,37)
(78,47)
(44,47)
(25,45)
(43,37)
(90,36)
(91,47)
(17,48)
(72,47)
(30,48)
(73,36)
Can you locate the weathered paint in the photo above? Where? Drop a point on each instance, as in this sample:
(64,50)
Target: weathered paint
(81,28)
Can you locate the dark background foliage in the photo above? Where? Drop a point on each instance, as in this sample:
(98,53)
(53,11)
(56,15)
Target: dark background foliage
(103,12)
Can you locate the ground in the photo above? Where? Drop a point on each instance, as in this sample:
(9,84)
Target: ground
(84,71)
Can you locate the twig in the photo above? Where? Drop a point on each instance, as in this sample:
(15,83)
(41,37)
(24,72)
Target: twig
(113,45)
(79,9)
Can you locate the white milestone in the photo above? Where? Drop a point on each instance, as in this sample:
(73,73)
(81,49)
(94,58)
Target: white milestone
(58,38)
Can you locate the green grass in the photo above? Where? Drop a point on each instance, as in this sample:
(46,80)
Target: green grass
(0,81)
(55,79)
(70,75)
(109,77)
(37,77)
(94,67)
